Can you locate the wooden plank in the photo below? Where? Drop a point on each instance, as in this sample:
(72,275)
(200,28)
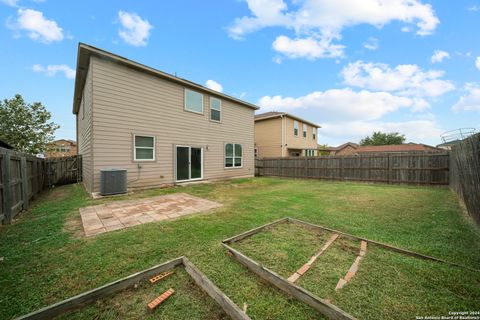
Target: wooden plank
(383,245)
(296,275)
(324,307)
(203,282)
(100,292)
(253,231)
(23,168)
(7,190)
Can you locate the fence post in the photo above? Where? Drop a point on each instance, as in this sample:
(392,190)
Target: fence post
(7,189)
(389,168)
(23,169)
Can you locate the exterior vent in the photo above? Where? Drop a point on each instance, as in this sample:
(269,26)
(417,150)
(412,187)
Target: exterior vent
(113,181)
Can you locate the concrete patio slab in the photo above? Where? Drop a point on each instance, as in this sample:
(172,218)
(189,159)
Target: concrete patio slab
(124,214)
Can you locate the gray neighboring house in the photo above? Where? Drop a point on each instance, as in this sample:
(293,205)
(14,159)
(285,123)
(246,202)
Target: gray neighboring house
(163,129)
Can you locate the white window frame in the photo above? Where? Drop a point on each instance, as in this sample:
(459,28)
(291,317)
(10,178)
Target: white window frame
(297,127)
(185,101)
(310,152)
(304,131)
(233,156)
(314,133)
(220,110)
(135,148)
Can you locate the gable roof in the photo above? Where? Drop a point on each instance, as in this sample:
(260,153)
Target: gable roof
(86,51)
(66,140)
(276,114)
(351,144)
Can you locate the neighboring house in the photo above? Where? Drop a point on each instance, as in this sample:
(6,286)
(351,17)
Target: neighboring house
(161,128)
(344,149)
(61,148)
(351,148)
(279,134)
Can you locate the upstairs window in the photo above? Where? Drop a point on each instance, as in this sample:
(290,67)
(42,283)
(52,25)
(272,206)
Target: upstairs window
(193,101)
(233,155)
(304,130)
(295,128)
(144,148)
(215,109)
(314,133)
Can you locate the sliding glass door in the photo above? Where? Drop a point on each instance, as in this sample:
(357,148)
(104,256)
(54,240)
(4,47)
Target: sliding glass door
(189,164)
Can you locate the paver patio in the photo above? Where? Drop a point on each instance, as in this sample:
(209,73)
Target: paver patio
(123,214)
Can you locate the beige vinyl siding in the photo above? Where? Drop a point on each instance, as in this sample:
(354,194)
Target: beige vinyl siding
(299,142)
(85,132)
(128,102)
(268,137)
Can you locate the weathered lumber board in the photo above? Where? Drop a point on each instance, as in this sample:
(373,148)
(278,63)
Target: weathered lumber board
(322,306)
(297,274)
(214,292)
(253,231)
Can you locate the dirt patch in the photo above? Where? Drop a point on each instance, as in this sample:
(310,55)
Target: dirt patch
(73,225)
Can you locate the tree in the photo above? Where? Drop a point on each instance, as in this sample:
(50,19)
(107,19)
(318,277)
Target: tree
(381,139)
(26,127)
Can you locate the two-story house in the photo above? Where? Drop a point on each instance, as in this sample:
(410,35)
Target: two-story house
(279,134)
(161,128)
(61,148)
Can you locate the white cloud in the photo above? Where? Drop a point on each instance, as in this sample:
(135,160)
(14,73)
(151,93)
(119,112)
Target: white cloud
(409,80)
(474,8)
(439,55)
(52,70)
(371,43)
(422,131)
(309,48)
(11,3)
(336,104)
(469,101)
(477,63)
(214,85)
(134,30)
(324,20)
(37,26)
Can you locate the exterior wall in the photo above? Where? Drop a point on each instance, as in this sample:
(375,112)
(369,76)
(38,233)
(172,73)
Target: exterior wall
(54,149)
(299,142)
(268,137)
(85,131)
(348,150)
(128,102)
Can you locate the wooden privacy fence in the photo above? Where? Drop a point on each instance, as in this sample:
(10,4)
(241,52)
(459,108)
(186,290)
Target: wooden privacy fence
(411,168)
(23,176)
(465,173)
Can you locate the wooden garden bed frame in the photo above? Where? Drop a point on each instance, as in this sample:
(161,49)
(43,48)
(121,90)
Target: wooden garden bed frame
(324,307)
(111,288)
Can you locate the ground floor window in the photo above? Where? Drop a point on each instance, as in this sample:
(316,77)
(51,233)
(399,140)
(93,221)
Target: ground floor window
(233,155)
(144,148)
(310,152)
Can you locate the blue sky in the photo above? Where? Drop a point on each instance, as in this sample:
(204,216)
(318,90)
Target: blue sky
(352,66)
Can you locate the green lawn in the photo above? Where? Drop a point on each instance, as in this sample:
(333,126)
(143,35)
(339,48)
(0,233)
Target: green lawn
(45,260)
